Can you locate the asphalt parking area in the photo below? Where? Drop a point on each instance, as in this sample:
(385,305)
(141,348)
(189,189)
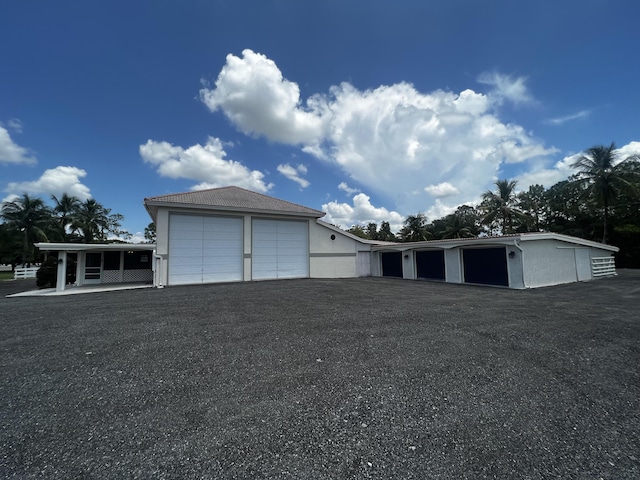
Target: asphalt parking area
(356,378)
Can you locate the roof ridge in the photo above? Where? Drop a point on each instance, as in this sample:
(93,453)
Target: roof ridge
(194,191)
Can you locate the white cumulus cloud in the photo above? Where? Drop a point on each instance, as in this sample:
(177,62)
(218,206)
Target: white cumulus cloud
(444,189)
(541,174)
(393,138)
(11,152)
(54,181)
(203,163)
(254,95)
(293,173)
(631,149)
(361,212)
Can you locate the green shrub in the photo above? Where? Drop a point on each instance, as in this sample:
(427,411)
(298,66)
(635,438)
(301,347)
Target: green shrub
(47,273)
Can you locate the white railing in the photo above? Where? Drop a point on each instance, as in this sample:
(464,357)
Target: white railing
(603,266)
(26,272)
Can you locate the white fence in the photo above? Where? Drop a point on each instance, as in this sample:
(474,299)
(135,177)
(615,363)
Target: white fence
(603,266)
(21,273)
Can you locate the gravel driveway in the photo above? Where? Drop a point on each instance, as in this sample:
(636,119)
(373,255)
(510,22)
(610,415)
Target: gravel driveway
(356,378)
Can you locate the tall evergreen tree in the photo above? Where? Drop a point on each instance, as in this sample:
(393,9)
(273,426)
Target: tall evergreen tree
(385,234)
(534,207)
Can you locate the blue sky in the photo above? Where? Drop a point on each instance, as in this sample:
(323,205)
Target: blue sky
(369,110)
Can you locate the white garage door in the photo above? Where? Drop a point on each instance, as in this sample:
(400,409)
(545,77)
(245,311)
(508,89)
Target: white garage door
(280,249)
(204,249)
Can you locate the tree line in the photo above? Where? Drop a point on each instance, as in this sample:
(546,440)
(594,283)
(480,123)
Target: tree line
(29,219)
(600,202)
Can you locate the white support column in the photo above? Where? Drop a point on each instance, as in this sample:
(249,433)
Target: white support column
(80,268)
(61,280)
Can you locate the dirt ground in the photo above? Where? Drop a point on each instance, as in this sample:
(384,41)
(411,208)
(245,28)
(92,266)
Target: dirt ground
(355,378)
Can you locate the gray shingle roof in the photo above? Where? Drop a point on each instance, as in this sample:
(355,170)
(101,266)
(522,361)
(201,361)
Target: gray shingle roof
(230,198)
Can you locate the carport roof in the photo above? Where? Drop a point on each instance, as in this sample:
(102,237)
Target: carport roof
(88,247)
(502,240)
(229,199)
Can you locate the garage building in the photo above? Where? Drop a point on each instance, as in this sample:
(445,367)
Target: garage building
(231,234)
(516,261)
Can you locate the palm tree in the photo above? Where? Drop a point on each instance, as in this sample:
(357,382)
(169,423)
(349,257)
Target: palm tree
(601,174)
(29,217)
(65,208)
(91,220)
(500,206)
(415,229)
(456,228)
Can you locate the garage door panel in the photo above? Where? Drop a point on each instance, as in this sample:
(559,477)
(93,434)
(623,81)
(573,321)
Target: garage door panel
(280,249)
(296,268)
(215,247)
(219,261)
(292,245)
(186,225)
(186,269)
(205,249)
(391,264)
(189,251)
(186,279)
(187,235)
(430,264)
(487,266)
(265,226)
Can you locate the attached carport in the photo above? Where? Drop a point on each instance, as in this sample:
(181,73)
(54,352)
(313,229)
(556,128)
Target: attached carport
(103,263)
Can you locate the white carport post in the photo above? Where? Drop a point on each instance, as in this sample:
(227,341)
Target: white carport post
(62,271)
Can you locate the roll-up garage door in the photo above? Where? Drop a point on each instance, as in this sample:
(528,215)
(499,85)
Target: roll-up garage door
(487,266)
(204,249)
(280,249)
(430,264)
(391,264)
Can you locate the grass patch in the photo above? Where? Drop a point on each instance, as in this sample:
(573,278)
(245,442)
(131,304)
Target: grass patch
(6,276)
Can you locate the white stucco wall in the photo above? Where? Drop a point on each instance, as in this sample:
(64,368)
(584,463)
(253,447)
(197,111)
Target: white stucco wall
(332,258)
(453,265)
(547,264)
(246,248)
(515,267)
(376,264)
(408,265)
(363,263)
(162,247)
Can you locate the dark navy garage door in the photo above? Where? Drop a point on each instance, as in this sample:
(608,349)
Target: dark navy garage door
(391,264)
(430,264)
(487,266)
